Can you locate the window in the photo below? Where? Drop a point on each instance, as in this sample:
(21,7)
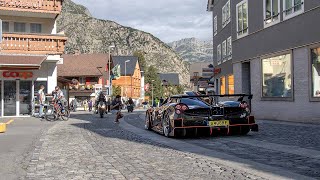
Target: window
(315,57)
(5,26)
(229,48)
(219,54)
(224,51)
(226,14)
(35,28)
(276,75)
(292,8)
(231,84)
(242,19)
(222,85)
(19,27)
(215,26)
(271,12)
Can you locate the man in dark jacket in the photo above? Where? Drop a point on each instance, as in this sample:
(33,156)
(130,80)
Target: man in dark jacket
(101,98)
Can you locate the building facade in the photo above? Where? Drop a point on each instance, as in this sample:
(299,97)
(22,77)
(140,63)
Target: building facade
(130,79)
(222,45)
(276,46)
(83,76)
(201,76)
(30,49)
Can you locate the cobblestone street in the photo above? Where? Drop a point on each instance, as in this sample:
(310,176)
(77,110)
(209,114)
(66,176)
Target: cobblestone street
(87,147)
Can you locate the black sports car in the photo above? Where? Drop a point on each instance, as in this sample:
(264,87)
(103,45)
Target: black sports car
(192,113)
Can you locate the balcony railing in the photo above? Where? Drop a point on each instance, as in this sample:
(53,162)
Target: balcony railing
(32,44)
(49,6)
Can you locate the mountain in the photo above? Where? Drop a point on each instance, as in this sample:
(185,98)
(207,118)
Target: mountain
(193,50)
(87,34)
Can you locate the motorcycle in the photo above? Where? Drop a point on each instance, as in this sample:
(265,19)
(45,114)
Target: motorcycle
(130,108)
(102,109)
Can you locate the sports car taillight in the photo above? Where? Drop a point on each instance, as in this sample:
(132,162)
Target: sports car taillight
(180,108)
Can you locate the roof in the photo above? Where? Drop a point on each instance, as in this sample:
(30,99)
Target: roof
(171,78)
(83,65)
(130,66)
(21,61)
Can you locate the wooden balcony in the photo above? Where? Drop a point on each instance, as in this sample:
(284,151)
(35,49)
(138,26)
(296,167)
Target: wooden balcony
(32,44)
(41,6)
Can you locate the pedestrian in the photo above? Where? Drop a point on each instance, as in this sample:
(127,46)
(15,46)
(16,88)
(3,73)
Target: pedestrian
(85,104)
(75,105)
(109,105)
(161,101)
(42,99)
(90,105)
(116,106)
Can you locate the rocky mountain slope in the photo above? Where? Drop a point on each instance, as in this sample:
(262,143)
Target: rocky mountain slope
(87,34)
(193,50)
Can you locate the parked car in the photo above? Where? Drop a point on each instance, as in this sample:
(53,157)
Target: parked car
(192,113)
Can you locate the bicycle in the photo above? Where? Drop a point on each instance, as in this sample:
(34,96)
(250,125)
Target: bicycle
(53,112)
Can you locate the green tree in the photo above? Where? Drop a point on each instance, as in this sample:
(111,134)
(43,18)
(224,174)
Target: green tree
(116,90)
(141,58)
(152,77)
(180,89)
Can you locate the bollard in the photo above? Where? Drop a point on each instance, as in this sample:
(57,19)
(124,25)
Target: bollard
(3,127)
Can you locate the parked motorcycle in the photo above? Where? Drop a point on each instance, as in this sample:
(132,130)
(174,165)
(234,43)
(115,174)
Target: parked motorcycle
(102,109)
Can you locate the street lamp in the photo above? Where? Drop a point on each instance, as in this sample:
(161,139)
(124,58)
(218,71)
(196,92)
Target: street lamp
(125,77)
(109,68)
(152,91)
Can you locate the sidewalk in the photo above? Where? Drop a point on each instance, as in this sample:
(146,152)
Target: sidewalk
(17,143)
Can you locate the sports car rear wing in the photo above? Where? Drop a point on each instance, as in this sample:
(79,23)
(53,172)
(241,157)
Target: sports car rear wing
(217,95)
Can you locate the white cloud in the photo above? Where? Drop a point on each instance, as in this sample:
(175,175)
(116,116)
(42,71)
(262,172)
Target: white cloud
(168,20)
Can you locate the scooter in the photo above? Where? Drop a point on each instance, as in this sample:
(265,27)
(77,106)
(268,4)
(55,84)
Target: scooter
(102,109)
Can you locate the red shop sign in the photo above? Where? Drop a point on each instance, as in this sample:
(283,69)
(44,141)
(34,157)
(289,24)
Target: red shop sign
(217,71)
(24,75)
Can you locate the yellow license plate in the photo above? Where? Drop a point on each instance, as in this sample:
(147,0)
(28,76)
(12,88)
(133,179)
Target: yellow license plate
(219,123)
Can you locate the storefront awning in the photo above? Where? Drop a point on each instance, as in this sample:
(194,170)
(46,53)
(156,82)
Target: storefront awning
(15,62)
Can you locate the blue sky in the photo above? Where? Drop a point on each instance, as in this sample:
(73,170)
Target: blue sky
(168,20)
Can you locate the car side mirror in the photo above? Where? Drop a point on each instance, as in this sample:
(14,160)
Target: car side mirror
(250,97)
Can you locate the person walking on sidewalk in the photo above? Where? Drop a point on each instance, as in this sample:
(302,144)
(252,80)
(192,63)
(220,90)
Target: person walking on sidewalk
(85,105)
(116,106)
(42,99)
(90,105)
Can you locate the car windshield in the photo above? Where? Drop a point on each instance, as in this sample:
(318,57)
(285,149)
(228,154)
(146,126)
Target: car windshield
(193,102)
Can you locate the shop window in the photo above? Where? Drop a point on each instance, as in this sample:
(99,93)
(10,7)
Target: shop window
(231,84)
(315,56)
(19,27)
(5,26)
(222,85)
(276,75)
(242,18)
